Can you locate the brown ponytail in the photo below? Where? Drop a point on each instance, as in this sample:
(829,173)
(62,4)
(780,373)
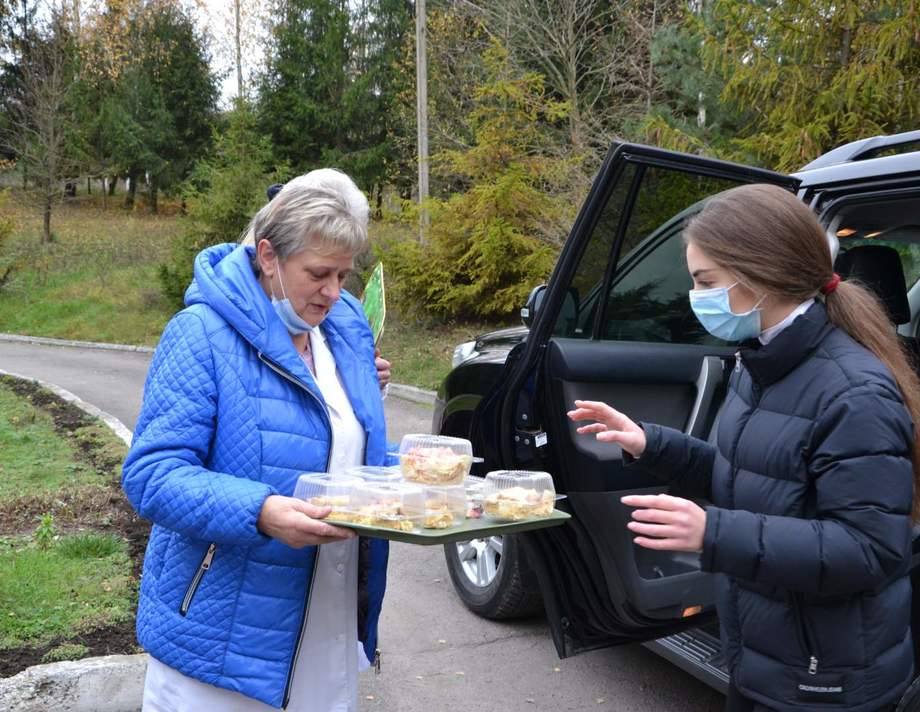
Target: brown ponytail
(770,239)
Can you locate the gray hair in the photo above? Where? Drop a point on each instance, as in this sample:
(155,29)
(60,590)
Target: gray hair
(323,208)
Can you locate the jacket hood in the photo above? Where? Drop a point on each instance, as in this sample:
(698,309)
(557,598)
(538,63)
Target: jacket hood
(226,282)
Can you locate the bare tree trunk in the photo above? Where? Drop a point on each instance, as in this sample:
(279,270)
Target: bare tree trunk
(132,189)
(48,198)
(112,183)
(153,194)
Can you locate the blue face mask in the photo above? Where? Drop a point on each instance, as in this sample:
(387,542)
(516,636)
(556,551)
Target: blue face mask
(713,309)
(291,319)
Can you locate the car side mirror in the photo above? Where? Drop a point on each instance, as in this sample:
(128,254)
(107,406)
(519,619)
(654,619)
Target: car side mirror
(533,304)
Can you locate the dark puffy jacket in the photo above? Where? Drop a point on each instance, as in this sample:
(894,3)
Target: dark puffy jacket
(811,481)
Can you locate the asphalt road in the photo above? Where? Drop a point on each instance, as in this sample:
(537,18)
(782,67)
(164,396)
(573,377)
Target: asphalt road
(436,655)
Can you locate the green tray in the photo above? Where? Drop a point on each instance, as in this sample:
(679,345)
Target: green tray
(470,529)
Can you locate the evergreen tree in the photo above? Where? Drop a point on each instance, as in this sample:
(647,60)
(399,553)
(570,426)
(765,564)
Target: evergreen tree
(222,193)
(490,244)
(327,93)
(815,74)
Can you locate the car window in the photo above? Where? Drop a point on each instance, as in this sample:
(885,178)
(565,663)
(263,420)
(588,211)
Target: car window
(588,279)
(647,295)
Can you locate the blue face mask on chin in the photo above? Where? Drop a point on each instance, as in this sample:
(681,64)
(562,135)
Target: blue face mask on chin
(291,319)
(713,309)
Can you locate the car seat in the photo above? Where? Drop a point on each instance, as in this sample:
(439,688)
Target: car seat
(879,268)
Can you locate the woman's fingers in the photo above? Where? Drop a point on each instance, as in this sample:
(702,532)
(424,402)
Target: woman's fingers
(592,428)
(666,522)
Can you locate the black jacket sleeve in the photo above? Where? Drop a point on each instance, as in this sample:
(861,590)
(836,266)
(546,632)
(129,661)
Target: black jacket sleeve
(674,457)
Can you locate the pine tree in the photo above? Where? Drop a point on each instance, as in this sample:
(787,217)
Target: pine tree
(815,74)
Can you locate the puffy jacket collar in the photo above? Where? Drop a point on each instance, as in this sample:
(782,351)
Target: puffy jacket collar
(225,281)
(768,364)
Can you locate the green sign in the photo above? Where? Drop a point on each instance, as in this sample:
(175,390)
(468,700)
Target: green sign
(374,302)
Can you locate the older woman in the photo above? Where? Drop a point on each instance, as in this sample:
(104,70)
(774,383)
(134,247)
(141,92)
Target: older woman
(248,599)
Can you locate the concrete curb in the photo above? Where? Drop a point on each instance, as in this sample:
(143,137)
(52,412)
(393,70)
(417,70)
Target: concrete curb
(397,390)
(45,341)
(113,683)
(114,423)
(411,393)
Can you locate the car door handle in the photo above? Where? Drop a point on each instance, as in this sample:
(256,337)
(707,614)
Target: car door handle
(707,384)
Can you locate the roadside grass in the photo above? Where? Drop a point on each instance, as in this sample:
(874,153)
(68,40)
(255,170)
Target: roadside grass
(81,581)
(66,569)
(34,460)
(98,282)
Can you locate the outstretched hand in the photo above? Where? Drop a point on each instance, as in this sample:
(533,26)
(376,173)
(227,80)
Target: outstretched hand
(611,426)
(298,523)
(666,522)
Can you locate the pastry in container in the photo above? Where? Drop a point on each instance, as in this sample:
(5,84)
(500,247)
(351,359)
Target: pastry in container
(390,505)
(445,507)
(514,495)
(435,459)
(330,490)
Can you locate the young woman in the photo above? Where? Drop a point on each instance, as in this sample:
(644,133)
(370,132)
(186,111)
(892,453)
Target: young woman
(810,468)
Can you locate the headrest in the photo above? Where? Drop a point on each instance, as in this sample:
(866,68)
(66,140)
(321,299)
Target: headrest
(879,268)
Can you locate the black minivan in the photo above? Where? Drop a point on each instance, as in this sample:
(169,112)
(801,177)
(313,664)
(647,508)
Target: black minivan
(614,324)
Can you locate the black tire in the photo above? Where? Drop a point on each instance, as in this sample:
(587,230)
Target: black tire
(510,594)
(910,700)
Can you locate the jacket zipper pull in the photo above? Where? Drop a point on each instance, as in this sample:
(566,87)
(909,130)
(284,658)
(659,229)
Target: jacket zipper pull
(813,665)
(206,562)
(377,662)
(738,362)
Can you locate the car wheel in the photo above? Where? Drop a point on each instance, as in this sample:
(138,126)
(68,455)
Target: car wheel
(910,700)
(489,576)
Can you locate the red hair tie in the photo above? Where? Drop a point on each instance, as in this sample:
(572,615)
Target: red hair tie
(832,285)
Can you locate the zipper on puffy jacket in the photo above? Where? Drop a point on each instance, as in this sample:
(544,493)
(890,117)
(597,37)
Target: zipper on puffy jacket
(807,641)
(306,611)
(738,361)
(196,580)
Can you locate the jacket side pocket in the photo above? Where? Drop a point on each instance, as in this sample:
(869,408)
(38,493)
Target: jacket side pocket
(196,579)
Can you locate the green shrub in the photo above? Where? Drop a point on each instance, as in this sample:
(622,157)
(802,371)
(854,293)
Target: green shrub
(489,245)
(221,196)
(67,651)
(10,253)
(89,546)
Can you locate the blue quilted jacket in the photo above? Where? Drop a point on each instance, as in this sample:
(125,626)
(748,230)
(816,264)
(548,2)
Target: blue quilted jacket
(230,416)
(811,479)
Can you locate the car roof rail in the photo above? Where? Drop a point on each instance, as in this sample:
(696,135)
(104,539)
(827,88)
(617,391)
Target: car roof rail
(866,148)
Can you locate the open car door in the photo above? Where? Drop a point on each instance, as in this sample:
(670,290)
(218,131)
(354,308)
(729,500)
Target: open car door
(615,325)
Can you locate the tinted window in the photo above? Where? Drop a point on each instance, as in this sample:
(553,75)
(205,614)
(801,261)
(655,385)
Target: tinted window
(647,297)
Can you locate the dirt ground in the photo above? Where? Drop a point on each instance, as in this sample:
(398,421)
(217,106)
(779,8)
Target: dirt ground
(73,510)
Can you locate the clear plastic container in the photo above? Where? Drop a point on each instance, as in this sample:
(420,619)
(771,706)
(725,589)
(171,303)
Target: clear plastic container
(513,495)
(371,473)
(473,489)
(435,459)
(330,490)
(397,505)
(445,507)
